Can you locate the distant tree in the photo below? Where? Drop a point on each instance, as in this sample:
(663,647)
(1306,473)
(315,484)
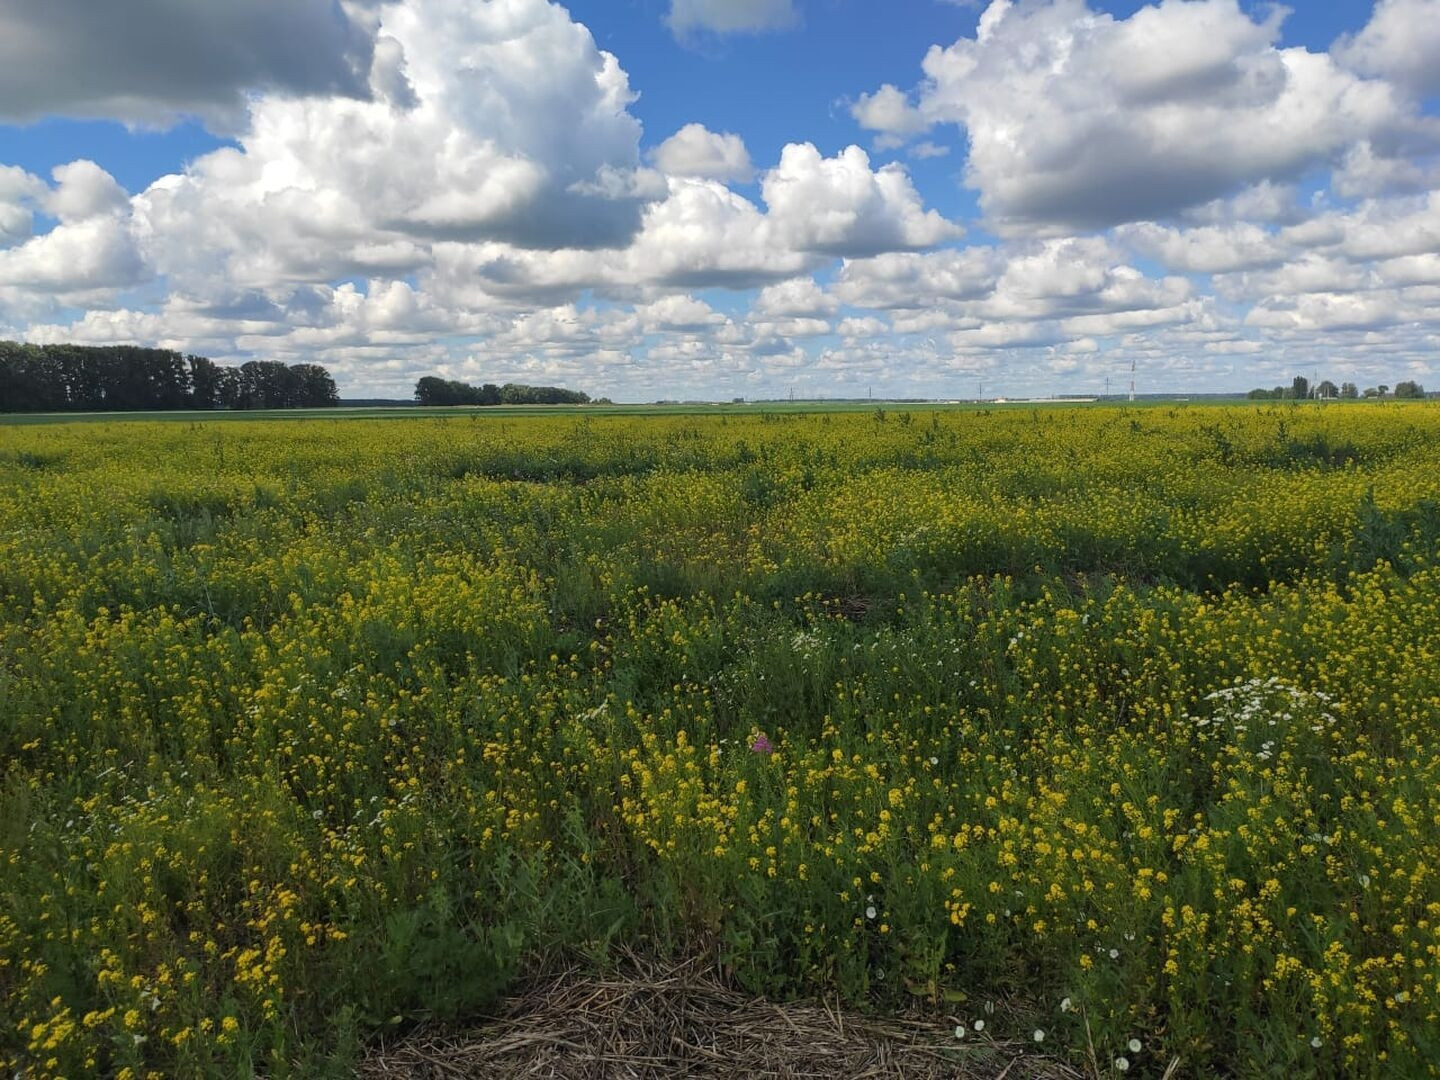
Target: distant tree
(1349,391)
(155,378)
(432,390)
(1261,394)
(204,382)
(1327,389)
(428,390)
(266,384)
(30,379)
(227,388)
(1371,392)
(313,387)
(1382,389)
(12,376)
(1300,388)
(54,378)
(520,394)
(90,376)
(1409,389)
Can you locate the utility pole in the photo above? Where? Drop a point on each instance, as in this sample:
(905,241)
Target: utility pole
(1132,380)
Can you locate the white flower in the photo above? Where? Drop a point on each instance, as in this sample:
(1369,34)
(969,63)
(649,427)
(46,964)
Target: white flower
(1365,881)
(1039,1035)
(934,761)
(959,1031)
(870,912)
(1123,1064)
(1114,954)
(1316,1042)
(1065,1005)
(1134,1045)
(979,1025)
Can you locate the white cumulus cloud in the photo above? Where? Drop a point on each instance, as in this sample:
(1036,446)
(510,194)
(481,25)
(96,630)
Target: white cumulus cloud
(95,253)
(679,312)
(519,131)
(888,111)
(696,151)
(839,206)
(84,190)
(93,247)
(796,298)
(19,191)
(1077,119)
(1401,42)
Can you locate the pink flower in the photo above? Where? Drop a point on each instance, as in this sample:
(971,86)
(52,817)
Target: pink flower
(762,745)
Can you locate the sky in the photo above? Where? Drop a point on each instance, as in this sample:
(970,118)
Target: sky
(711,199)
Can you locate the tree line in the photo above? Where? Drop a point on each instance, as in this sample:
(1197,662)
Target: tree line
(114,378)
(1300,389)
(432,390)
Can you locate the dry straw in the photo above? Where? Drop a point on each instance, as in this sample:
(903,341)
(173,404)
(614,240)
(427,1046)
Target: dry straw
(651,1020)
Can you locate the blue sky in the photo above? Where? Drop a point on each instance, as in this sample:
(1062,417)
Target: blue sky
(711,198)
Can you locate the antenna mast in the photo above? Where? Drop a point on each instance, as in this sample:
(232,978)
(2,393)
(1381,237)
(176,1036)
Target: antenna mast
(1132,380)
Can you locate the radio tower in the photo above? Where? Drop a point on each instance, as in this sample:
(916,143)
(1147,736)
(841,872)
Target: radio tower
(1132,380)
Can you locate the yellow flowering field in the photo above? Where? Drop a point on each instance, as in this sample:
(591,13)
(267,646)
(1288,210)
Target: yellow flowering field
(1127,719)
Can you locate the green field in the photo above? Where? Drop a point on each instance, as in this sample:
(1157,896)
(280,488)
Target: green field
(749,408)
(316,730)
